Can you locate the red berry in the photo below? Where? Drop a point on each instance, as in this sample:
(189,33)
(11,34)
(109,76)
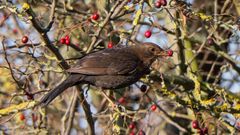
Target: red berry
(24,39)
(15,31)
(132,125)
(200,132)
(5,17)
(62,40)
(143,88)
(121,100)
(195,124)
(148,34)
(153,107)
(67,37)
(210,41)
(163,2)
(132,133)
(205,130)
(110,45)
(170,53)
(30,96)
(141,132)
(95,16)
(158,4)
(67,41)
(22,117)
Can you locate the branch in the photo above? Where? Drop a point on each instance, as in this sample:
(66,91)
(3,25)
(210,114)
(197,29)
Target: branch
(64,64)
(87,110)
(10,67)
(46,40)
(217,50)
(70,111)
(49,26)
(167,117)
(113,12)
(17,108)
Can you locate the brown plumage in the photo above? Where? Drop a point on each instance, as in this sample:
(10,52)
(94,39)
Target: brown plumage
(110,68)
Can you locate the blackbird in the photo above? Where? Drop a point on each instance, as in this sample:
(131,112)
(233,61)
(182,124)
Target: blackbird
(109,68)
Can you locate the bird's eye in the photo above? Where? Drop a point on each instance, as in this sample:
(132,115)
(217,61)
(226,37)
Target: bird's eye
(152,49)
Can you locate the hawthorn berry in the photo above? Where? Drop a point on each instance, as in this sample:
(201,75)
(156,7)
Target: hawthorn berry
(200,132)
(210,41)
(205,130)
(121,100)
(22,117)
(67,41)
(195,124)
(95,16)
(153,107)
(15,31)
(62,40)
(30,96)
(141,132)
(158,4)
(5,17)
(148,34)
(170,53)
(110,45)
(132,133)
(143,88)
(24,39)
(163,2)
(67,37)
(131,125)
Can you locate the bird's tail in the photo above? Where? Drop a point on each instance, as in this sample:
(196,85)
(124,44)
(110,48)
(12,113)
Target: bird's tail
(70,81)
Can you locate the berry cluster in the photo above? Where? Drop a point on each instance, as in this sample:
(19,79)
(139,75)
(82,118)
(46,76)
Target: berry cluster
(201,131)
(160,3)
(65,40)
(132,126)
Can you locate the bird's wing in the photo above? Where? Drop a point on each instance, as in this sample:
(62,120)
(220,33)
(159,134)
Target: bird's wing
(107,62)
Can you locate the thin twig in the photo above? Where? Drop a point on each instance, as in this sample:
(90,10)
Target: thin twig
(9,65)
(72,112)
(113,12)
(167,117)
(49,26)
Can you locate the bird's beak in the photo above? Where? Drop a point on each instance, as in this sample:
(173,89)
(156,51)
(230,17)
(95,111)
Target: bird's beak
(163,53)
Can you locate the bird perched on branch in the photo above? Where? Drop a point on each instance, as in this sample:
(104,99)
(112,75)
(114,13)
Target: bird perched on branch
(110,68)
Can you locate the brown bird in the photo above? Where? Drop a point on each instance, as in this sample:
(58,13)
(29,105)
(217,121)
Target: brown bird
(110,68)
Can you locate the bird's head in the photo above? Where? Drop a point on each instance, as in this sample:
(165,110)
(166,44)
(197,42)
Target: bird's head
(148,52)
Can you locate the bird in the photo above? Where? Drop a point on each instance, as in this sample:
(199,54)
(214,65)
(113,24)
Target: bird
(110,68)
